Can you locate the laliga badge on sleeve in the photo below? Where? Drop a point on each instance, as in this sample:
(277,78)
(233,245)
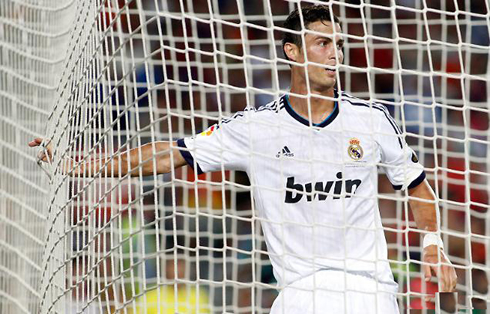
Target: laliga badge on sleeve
(209,130)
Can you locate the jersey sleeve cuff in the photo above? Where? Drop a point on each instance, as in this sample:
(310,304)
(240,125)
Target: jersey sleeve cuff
(414,183)
(188,156)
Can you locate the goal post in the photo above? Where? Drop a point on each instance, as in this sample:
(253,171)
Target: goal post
(98,78)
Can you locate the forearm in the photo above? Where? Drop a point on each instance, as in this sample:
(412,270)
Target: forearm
(424,208)
(422,202)
(148,159)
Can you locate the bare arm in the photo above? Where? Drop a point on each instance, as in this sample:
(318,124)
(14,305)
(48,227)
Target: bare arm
(424,211)
(156,154)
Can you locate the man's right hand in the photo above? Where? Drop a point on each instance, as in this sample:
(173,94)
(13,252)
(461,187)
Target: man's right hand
(48,148)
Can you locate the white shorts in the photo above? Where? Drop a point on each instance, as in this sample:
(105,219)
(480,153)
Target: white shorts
(336,292)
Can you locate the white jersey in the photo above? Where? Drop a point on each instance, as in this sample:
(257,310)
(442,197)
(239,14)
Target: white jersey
(314,186)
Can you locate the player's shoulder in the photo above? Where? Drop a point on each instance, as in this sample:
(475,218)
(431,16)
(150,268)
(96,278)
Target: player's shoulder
(251,114)
(271,108)
(360,109)
(363,106)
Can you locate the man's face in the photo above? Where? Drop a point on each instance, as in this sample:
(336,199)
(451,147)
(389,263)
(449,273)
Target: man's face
(325,49)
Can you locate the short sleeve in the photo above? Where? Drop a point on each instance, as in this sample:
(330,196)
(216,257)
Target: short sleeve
(225,144)
(399,161)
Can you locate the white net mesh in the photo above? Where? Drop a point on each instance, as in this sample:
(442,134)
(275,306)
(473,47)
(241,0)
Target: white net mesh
(101,77)
(32,49)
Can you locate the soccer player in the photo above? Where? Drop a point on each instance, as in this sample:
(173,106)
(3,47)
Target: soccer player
(312,157)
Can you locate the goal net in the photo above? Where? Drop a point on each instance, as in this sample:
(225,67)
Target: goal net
(33,45)
(100,77)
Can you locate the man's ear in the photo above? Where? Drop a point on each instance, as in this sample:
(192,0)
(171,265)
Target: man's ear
(292,51)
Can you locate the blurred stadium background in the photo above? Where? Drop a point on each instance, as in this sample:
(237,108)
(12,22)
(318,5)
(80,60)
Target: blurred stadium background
(101,76)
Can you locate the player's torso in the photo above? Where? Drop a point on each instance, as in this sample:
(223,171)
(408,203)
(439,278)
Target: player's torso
(315,190)
(325,167)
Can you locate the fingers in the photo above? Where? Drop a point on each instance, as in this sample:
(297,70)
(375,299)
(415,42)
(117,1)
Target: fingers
(427,272)
(35,142)
(444,279)
(441,267)
(454,279)
(46,154)
(450,278)
(42,156)
(428,269)
(447,277)
(449,274)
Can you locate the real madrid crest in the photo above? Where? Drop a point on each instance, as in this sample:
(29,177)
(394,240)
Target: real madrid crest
(355,150)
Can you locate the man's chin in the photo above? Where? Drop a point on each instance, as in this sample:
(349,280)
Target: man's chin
(325,84)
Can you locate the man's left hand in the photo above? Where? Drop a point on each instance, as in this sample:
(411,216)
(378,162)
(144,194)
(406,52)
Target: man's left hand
(444,271)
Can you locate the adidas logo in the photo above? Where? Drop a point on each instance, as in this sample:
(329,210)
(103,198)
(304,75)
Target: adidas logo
(284,152)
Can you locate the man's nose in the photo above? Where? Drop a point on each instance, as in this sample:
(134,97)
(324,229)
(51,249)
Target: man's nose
(332,54)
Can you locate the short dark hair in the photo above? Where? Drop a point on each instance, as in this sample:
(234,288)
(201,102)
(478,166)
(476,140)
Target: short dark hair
(311,13)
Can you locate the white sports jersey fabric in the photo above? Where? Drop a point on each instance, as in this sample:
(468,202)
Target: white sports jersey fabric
(335,292)
(315,186)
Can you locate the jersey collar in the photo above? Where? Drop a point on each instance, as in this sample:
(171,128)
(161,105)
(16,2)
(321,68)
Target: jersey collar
(304,121)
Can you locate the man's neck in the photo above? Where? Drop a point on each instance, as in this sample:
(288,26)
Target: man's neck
(320,107)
